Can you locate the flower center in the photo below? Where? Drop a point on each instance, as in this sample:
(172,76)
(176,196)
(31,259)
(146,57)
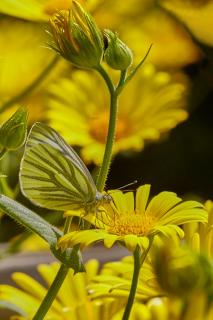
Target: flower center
(136,224)
(54,5)
(99,127)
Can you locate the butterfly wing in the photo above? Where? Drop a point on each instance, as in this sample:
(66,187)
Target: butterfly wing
(52,175)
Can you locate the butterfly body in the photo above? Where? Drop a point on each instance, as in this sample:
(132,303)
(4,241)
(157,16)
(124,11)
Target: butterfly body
(53,176)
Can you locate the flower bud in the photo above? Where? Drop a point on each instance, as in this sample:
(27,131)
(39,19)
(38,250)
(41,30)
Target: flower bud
(181,272)
(77,37)
(13,131)
(117,55)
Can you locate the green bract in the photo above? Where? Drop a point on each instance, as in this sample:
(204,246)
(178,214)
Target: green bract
(117,55)
(13,131)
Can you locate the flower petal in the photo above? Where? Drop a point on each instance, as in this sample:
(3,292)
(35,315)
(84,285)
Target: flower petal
(161,203)
(142,197)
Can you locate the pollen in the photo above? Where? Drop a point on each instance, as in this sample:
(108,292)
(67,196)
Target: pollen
(99,127)
(136,224)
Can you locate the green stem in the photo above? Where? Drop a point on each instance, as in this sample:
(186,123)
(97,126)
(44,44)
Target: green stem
(67,224)
(56,285)
(102,177)
(3,152)
(138,263)
(30,87)
(52,293)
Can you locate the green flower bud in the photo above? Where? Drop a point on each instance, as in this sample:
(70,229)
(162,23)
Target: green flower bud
(180,271)
(117,55)
(13,131)
(77,37)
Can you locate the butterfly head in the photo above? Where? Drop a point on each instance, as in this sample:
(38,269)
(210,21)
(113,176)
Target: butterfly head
(102,198)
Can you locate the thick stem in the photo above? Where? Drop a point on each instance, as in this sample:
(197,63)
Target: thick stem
(56,285)
(30,87)
(52,292)
(102,177)
(138,263)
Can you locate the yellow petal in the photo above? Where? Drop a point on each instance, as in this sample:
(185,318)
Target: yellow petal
(142,197)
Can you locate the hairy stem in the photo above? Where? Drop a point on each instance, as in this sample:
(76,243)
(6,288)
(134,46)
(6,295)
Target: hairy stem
(102,177)
(138,263)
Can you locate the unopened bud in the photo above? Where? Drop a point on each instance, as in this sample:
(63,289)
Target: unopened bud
(117,55)
(180,271)
(77,38)
(13,131)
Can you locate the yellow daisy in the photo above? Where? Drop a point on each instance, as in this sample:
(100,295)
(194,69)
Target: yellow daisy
(197,15)
(152,103)
(115,281)
(133,222)
(74,300)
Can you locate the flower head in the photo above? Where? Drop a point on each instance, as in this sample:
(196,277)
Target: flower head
(133,221)
(77,37)
(152,104)
(72,301)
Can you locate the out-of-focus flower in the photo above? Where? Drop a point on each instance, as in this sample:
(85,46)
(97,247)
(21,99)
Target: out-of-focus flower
(115,279)
(77,37)
(200,236)
(138,26)
(197,15)
(19,68)
(181,271)
(72,302)
(187,279)
(152,103)
(133,221)
(33,10)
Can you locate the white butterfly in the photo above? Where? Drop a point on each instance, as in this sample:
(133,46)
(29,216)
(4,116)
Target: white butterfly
(53,176)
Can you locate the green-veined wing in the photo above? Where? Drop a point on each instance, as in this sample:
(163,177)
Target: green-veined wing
(52,175)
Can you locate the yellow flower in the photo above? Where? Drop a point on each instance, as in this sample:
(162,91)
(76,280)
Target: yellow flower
(72,302)
(33,10)
(115,281)
(152,103)
(200,236)
(20,42)
(196,15)
(133,222)
(172,45)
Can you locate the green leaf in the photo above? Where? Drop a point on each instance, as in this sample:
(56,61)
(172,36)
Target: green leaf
(33,222)
(30,220)
(133,72)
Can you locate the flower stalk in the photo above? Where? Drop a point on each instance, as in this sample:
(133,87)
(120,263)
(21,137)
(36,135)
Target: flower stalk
(56,285)
(139,259)
(52,293)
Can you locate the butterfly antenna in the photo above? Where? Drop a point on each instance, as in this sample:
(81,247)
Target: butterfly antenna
(128,185)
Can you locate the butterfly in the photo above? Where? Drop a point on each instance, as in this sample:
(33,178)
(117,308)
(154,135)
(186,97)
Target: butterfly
(54,177)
